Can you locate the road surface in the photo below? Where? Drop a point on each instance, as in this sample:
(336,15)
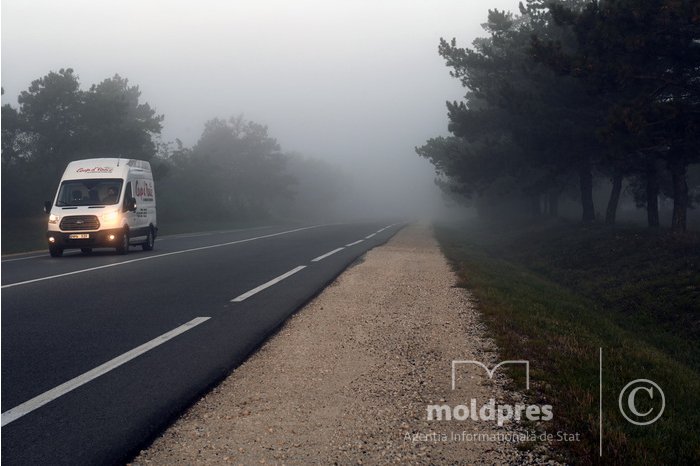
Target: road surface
(101,352)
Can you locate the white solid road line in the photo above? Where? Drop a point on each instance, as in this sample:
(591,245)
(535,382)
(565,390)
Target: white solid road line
(117,264)
(160,238)
(353,244)
(210,233)
(187,235)
(369,236)
(258,289)
(326,255)
(23,258)
(38,401)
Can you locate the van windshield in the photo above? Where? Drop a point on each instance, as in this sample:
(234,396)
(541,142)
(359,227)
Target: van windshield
(104,191)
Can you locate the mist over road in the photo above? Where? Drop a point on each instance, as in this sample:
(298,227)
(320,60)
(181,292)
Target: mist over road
(101,351)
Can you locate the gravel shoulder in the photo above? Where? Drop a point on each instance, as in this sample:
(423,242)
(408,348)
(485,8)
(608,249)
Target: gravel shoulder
(348,378)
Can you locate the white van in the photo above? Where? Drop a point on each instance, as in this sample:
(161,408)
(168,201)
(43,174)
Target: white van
(103,203)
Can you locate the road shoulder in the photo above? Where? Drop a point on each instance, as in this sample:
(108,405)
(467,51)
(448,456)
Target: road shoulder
(349,377)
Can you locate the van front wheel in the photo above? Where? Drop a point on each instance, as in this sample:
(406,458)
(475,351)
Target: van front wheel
(55,251)
(150,241)
(123,247)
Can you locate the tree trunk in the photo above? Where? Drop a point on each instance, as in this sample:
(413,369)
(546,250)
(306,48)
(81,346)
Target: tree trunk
(680,194)
(652,195)
(586,182)
(611,212)
(535,206)
(553,203)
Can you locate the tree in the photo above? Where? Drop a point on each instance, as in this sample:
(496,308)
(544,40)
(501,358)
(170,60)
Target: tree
(643,56)
(538,123)
(235,170)
(56,122)
(115,123)
(320,191)
(16,173)
(13,135)
(51,112)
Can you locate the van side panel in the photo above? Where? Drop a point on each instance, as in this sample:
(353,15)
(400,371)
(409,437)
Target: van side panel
(143,191)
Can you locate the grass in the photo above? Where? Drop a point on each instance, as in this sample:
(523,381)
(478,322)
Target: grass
(23,234)
(554,294)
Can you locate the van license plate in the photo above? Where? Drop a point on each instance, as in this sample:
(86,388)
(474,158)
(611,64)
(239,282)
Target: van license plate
(79,236)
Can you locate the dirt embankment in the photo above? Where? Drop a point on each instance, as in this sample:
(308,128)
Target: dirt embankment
(348,379)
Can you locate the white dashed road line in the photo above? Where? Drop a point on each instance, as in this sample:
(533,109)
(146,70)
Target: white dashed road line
(326,255)
(258,289)
(117,264)
(28,406)
(38,401)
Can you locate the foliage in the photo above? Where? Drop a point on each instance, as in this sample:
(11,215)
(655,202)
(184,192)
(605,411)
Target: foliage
(574,87)
(643,58)
(57,122)
(236,172)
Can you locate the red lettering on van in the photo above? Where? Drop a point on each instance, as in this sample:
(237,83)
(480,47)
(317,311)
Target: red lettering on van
(95,170)
(143,189)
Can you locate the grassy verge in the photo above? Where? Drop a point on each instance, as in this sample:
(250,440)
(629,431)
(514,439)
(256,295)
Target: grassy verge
(23,234)
(555,294)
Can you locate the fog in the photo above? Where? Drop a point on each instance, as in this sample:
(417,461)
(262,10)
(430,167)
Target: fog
(356,83)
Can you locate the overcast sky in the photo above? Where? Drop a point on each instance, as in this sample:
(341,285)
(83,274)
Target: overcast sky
(356,82)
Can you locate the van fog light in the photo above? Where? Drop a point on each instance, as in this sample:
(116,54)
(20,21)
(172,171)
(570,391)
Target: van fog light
(111,237)
(52,239)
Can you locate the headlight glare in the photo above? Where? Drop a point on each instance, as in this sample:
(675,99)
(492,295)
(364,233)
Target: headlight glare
(110,218)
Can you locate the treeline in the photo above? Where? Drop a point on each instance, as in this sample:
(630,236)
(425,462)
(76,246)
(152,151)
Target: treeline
(569,92)
(235,172)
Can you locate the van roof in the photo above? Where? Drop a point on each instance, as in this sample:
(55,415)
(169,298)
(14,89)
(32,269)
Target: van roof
(105,168)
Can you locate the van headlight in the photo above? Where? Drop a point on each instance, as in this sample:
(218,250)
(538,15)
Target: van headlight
(53,218)
(110,218)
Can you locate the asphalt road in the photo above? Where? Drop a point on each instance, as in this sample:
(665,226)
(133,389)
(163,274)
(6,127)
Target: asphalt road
(101,352)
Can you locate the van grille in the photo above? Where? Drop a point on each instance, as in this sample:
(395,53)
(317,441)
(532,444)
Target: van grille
(80,222)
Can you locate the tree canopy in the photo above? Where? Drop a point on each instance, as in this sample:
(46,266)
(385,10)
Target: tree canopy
(235,171)
(57,122)
(574,90)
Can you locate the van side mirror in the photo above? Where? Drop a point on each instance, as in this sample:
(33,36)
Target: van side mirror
(131,205)
(47,207)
